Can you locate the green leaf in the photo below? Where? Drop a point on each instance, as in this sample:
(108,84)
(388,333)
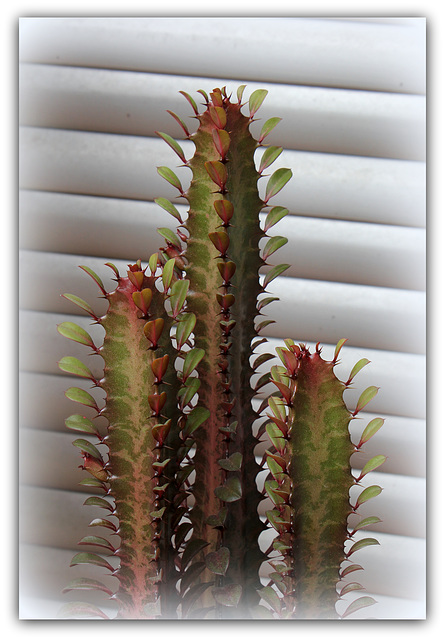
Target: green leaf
(272,245)
(240,91)
(360,603)
(190,100)
(167,273)
(338,348)
(169,207)
(180,122)
(218,519)
(97,541)
(173,144)
(268,157)
(85,557)
(276,436)
(188,391)
(190,575)
(361,544)
(80,303)
(83,397)
(370,430)
(367,494)
(367,522)
(95,277)
(274,273)
(102,522)
(72,331)
(276,182)
(80,423)
(153,262)
(217,172)
(170,236)
(371,465)
(86,584)
(192,548)
(191,361)
(232,463)
(218,561)
(171,177)
(366,397)
(185,326)
(80,610)
(195,418)
(229,596)
(256,100)
(94,501)
(86,446)
(349,569)
(221,140)
(178,295)
(267,127)
(351,586)
(356,368)
(270,596)
(231,491)
(275,215)
(75,367)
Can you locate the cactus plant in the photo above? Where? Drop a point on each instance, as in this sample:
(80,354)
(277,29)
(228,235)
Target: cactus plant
(178,478)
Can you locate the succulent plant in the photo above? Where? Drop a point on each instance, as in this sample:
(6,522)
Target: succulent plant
(178,477)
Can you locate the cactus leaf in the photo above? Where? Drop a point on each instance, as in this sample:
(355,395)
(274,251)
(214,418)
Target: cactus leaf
(220,240)
(83,397)
(98,541)
(186,324)
(142,299)
(217,172)
(366,397)
(224,208)
(229,595)
(366,522)
(80,303)
(274,273)
(170,177)
(95,482)
(270,596)
(72,365)
(267,127)
(178,295)
(159,367)
(272,245)
(95,277)
(95,501)
(196,417)
(167,274)
(85,557)
(360,603)
(256,100)
(190,575)
(86,584)
(349,569)
(191,361)
(268,157)
(232,463)
(181,533)
(352,586)
(218,116)
(169,207)
(231,491)
(193,547)
(239,92)
(190,100)
(180,122)
(173,144)
(153,331)
(361,544)
(218,561)
(221,140)
(80,610)
(113,268)
(371,465)
(187,392)
(356,368)
(157,401)
(276,436)
(275,215)
(276,182)
(338,348)
(72,331)
(77,422)
(370,430)
(170,236)
(227,270)
(367,494)
(218,519)
(103,522)
(161,431)
(88,447)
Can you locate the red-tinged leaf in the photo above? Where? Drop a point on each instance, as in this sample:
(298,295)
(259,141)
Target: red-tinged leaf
(190,575)
(239,92)
(136,278)
(220,240)
(196,417)
(275,215)
(276,436)
(370,430)
(267,128)
(278,459)
(356,368)
(95,501)
(142,299)
(171,237)
(366,397)
(88,447)
(361,544)
(178,296)
(366,522)
(161,431)
(83,397)
(97,541)
(173,144)
(268,157)
(95,277)
(80,303)
(72,331)
(204,95)
(265,301)
(219,519)
(272,245)
(180,122)
(256,100)
(276,182)
(217,97)
(231,491)
(272,489)
(192,548)
(157,514)
(228,596)
(218,116)
(153,331)
(232,463)
(80,610)
(368,493)
(102,522)
(278,408)
(286,391)
(157,401)
(227,270)
(93,481)
(261,325)
(277,521)
(218,561)
(167,273)
(190,101)
(225,301)
(349,569)
(221,140)
(181,533)
(85,557)
(230,428)
(191,361)
(171,177)
(159,367)
(188,391)
(274,273)
(360,603)
(270,596)
(86,584)
(114,269)
(169,207)
(352,586)
(371,465)
(338,348)
(193,594)
(184,328)
(224,208)
(217,172)
(77,422)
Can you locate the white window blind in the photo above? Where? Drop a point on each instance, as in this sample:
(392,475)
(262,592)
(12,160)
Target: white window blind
(351,93)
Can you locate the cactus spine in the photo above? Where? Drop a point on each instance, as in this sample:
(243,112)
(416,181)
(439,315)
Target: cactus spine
(181,468)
